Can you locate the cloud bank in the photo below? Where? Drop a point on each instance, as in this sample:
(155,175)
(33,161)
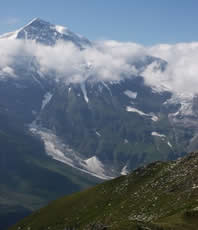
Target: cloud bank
(109,61)
(181,74)
(105,60)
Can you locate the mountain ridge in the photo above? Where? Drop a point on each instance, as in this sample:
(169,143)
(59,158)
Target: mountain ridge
(46,33)
(159,196)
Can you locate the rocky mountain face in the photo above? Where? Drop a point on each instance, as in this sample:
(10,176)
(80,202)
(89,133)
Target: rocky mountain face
(45,33)
(159,196)
(114,125)
(117,124)
(25,168)
(82,132)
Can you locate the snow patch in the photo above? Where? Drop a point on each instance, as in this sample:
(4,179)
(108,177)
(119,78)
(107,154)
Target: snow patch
(158,134)
(163,137)
(94,165)
(169,144)
(56,149)
(124,171)
(134,110)
(61,29)
(154,118)
(46,99)
(84,91)
(98,134)
(130,94)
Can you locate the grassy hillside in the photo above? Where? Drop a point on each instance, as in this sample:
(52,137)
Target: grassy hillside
(161,196)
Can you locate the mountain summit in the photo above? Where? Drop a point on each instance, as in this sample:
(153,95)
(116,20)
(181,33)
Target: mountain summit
(46,33)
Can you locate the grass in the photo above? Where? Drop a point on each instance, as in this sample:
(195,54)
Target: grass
(156,197)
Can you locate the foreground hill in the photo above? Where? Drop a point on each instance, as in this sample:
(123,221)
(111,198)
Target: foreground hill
(159,196)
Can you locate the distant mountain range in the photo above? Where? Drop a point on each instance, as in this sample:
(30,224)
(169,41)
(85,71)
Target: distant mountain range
(61,136)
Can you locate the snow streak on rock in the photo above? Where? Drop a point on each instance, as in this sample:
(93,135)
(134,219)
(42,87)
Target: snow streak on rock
(56,149)
(46,99)
(124,171)
(158,134)
(130,94)
(141,113)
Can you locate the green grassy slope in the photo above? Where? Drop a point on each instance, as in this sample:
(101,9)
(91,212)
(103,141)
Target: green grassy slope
(161,196)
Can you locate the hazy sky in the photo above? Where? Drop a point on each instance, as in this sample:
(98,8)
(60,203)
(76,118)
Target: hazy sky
(142,21)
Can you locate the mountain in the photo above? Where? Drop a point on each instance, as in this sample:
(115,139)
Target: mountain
(160,196)
(29,177)
(60,136)
(45,33)
(91,125)
(117,124)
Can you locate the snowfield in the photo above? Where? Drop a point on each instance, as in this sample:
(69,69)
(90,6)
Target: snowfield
(56,149)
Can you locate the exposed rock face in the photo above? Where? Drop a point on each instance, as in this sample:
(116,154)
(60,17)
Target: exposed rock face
(123,124)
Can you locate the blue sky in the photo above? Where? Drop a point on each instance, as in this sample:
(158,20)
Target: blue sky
(143,21)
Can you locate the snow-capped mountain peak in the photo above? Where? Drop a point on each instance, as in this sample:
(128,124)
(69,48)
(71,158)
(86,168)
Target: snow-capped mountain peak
(46,33)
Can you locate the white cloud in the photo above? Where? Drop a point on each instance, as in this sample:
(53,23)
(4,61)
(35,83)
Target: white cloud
(126,50)
(181,74)
(69,62)
(110,60)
